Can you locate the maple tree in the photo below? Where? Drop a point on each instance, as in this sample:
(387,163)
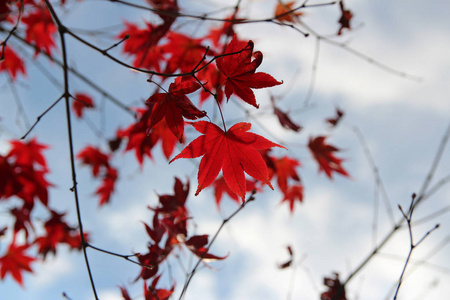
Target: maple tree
(190,62)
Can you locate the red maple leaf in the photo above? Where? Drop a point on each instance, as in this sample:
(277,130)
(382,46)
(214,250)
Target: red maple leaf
(346,16)
(80,103)
(283,12)
(336,291)
(293,193)
(197,245)
(108,184)
(142,44)
(161,132)
(186,52)
(22,219)
(174,105)
(239,70)
(153,293)
(15,261)
(57,231)
(40,29)
(220,187)
(324,155)
(12,64)
(285,169)
(9,181)
(285,121)
(233,151)
(28,154)
(92,156)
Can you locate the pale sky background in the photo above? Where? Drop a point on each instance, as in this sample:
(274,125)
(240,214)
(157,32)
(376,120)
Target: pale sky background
(402,121)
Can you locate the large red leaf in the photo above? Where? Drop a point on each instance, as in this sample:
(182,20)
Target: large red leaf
(233,151)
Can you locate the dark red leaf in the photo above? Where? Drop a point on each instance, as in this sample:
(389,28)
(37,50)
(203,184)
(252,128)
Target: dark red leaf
(324,155)
(80,103)
(15,261)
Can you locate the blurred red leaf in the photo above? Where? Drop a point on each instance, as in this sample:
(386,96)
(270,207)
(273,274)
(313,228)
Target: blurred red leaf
(197,245)
(233,151)
(40,29)
(292,194)
(283,11)
(15,261)
(336,290)
(93,157)
(80,103)
(107,187)
(324,155)
(28,154)
(335,120)
(12,64)
(285,120)
(346,16)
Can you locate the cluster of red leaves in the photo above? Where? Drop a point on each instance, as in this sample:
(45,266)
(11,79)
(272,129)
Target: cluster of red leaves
(22,176)
(168,231)
(39,29)
(99,162)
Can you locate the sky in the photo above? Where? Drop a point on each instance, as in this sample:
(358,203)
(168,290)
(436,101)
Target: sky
(401,120)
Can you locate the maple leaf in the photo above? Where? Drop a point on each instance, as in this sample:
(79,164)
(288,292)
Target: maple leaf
(239,70)
(108,184)
(92,156)
(197,245)
(153,293)
(186,52)
(15,261)
(28,154)
(174,105)
(293,193)
(346,16)
(285,121)
(40,29)
(233,151)
(9,181)
(124,293)
(142,44)
(336,291)
(283,12)
(335,120)
(161,132)
(220,187)
(285,169)
(22,219)
(80,103)
(323,154)
(12,64)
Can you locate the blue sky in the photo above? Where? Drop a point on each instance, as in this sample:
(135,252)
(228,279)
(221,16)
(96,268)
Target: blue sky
(401,120)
